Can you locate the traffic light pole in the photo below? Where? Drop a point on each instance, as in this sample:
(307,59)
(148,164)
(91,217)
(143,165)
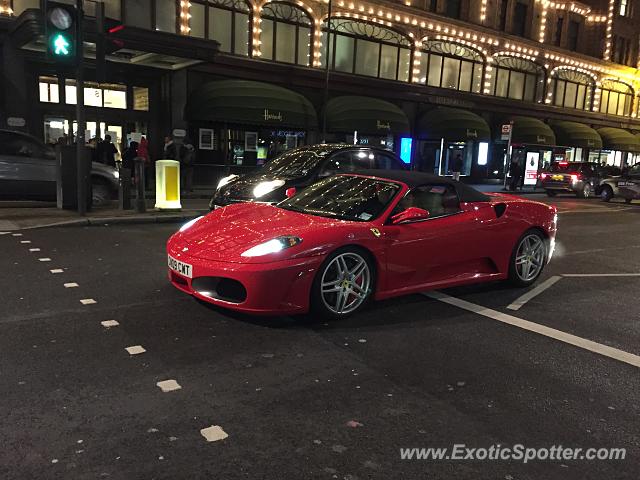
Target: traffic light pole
(82,169)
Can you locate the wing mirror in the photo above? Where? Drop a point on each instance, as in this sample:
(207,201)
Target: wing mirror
(410,214)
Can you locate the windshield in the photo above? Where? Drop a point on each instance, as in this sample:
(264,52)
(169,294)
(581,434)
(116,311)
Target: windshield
(345,197)
(294,163)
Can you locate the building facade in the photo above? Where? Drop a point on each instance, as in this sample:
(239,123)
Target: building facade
(430,79)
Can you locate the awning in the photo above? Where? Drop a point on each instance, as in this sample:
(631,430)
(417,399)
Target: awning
(365,115)
(252,103)
(618,139)
(453,124)
(531,131)
(573,134)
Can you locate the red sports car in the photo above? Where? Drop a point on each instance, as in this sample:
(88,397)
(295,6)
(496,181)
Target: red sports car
(352,237)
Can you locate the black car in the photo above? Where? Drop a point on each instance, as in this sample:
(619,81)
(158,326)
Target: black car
(297,168)
(580,178)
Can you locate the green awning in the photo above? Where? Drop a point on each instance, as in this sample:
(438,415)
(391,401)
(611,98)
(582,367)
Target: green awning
(618,139)
(365,115)
(452,124)
(573,134)
(252,103)
(531,131)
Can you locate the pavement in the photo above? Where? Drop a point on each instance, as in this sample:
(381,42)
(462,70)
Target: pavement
(110,372)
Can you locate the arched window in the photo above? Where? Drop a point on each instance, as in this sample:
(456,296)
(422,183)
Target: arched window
(367,49)
(616,98)
(225,21)
(571,89)
(517,78)
(450,65)
(286,33)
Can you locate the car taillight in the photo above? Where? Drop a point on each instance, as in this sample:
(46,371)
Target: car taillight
(543,176)
(290,192)
(575,177)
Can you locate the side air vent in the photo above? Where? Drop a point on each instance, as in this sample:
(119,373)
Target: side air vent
(500,209)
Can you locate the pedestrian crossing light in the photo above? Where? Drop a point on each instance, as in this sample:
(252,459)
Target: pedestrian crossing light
(61,32)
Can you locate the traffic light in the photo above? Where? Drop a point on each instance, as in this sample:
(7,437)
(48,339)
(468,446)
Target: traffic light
(61,32)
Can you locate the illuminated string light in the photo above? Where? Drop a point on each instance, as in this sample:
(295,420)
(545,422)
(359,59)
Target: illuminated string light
(185,17)
(608,32)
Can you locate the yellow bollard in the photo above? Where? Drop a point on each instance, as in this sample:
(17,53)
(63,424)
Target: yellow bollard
(168,185)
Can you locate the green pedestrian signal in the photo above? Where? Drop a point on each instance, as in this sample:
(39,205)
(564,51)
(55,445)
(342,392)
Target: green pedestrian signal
(62,32)
(61,45)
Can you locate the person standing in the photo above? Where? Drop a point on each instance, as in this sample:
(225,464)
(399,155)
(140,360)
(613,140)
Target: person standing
(128,158)
(143,152)
(187,159)
(516,172)
(109,151)
(170,150)
(456,166)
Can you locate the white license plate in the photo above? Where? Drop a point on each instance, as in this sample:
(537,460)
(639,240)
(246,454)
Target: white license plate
(180,267)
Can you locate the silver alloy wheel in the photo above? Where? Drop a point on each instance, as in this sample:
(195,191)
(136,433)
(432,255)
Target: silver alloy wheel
(530,257)
(345,283)
(586,191)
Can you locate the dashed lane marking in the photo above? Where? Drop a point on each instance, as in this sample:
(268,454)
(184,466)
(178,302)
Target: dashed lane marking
(16,234)
(71,285)
(574,275)
(565,337)
(109,323)
(168,385)
(45,259)
(57,270)
(534,292)
(88,301)
(135,349)
(213,433)
(595,210)
(5,233)
(34,249)
(25,241)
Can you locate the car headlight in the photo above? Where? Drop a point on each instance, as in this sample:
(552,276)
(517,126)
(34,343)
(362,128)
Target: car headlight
(190,224)
(274,245)
(225,180)
(266,187)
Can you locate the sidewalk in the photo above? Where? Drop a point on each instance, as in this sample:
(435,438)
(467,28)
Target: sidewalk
(26,215)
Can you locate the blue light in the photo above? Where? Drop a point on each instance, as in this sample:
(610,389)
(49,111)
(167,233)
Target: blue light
(405,149)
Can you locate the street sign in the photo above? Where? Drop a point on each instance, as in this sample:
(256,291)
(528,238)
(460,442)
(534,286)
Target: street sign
(506,131)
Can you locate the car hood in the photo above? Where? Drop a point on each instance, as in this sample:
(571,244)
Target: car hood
(227,232)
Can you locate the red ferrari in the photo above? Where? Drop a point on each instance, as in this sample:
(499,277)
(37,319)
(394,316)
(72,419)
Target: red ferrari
(349,238)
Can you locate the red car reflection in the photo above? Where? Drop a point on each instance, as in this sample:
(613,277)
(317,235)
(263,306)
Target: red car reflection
(349,238)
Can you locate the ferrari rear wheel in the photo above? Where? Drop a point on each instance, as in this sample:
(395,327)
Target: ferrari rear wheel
(343,284)
(528,259)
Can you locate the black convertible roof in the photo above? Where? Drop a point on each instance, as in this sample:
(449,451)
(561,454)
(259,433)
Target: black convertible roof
(415,179)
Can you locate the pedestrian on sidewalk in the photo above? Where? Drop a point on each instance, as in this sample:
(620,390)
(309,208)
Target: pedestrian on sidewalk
(456,166)
(128,159)
(187,159)
(170,150)
(516,172)
(143,151)
(109,151)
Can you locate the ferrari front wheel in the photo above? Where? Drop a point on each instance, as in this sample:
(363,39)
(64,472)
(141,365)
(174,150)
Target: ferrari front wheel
(528,259)
(343,283)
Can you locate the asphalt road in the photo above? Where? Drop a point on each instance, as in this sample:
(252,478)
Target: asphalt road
(305,400)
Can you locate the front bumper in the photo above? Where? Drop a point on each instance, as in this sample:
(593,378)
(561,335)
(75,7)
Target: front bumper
(274,288)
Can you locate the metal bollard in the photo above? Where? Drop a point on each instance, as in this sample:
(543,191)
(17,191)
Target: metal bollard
(124,193)
(141,202)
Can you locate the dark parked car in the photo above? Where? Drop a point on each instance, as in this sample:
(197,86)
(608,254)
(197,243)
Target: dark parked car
(28,171)
(580,178)
(298,168)
(626,185)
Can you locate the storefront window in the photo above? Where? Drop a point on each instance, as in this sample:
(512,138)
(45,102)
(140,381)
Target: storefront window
(518,78)
(225,21)
(449,65)
(140,13)
(20,6)
(48,88)
(96,95)
(141,98)
(286,34)
(368,49)
(571,89)
(616,98)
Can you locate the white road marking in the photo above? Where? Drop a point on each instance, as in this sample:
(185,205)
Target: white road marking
(574,340)
(88,301)
(168,386)
(135,350)
(16,234)
(45,259)
(25,241)
(213,433)
(71,285)
(5,233)
(34,249)
(109,323)
(57,270)
(534,292)
(569,275)
(595,210)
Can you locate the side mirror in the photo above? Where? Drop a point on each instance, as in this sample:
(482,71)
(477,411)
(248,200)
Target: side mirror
(410,214)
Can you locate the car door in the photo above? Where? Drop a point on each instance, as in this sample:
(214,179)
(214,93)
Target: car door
(432,251)
(629,183)
(27,167)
